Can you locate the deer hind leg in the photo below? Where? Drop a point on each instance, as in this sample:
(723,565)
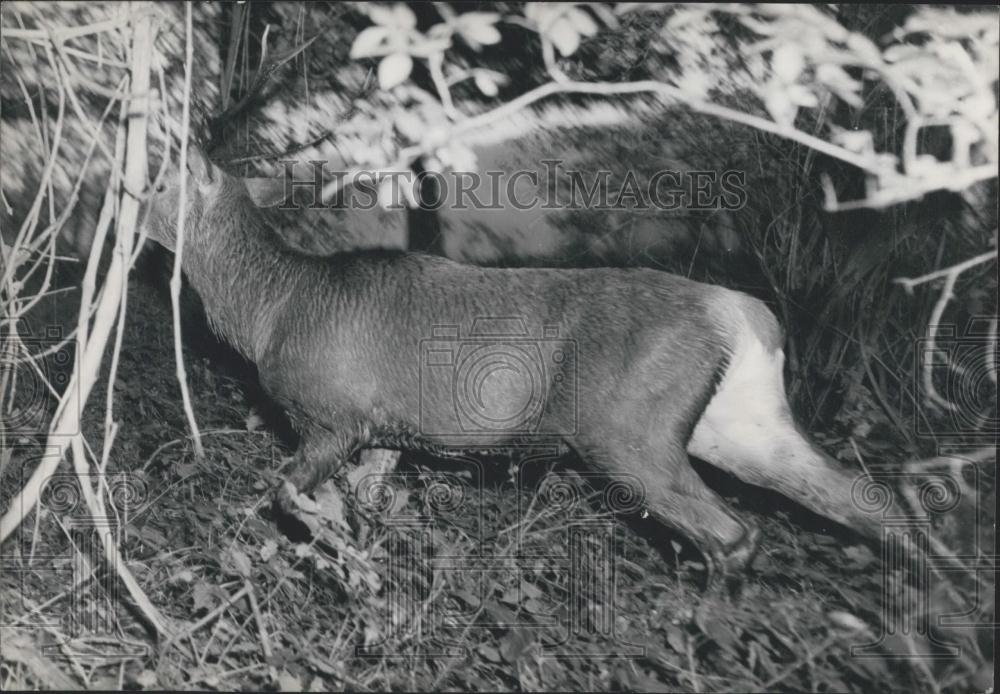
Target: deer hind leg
(678,498)
(747,429)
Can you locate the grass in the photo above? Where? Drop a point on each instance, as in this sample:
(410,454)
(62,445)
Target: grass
(261,604)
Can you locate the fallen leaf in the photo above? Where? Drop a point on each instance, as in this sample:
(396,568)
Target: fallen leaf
(846,620)
(716,628)
(859,555)
(534,606)
(268,550)
(514,644)
(204,596)
(394,69)
(676,638)
(330,505)
(146,679)
(254,422)
(236,562)
(185,469)
(372,634)
(182,576)
(287,682)
(490,653)
(530,590)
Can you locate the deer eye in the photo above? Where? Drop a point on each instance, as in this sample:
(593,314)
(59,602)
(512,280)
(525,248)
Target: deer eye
(162,188)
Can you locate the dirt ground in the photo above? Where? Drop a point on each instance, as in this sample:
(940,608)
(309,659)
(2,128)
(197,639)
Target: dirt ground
(489,573)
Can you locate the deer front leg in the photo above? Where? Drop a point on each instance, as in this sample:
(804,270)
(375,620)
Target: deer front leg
(319,455)
(376,461)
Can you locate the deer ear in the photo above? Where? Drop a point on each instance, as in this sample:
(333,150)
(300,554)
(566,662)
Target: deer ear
(265,192)
(200,167)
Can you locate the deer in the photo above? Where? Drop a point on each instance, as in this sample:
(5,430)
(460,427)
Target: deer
(632,369)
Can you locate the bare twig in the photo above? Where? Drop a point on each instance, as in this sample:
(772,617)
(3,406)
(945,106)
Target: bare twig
(950,275)
(434,63)
(953,461)
(442,136)
(692,669)
(32,217)
(907,188)
(265,642)
(212,432)
(175,279)
(91,343)
(957,269)
(240,15)
(64,34)
(235,597)
(116,286)
(807,660)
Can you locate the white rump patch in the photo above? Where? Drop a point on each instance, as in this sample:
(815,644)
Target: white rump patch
(748,416)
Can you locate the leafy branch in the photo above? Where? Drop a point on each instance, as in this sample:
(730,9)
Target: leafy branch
(940,66)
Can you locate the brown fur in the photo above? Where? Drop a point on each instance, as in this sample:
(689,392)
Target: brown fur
(338,343)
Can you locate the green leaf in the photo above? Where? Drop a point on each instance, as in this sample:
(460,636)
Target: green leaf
(582,22)
(478,28)
(404,16)
(481,18)
(802,96)
(368,42)
(564,36)
(781,108)
(864,47)
(539,12)
(485,34)
(394,69)
(380,14)
(840,83)
(859,141)
(399,16)
(485,84)
(788,62)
